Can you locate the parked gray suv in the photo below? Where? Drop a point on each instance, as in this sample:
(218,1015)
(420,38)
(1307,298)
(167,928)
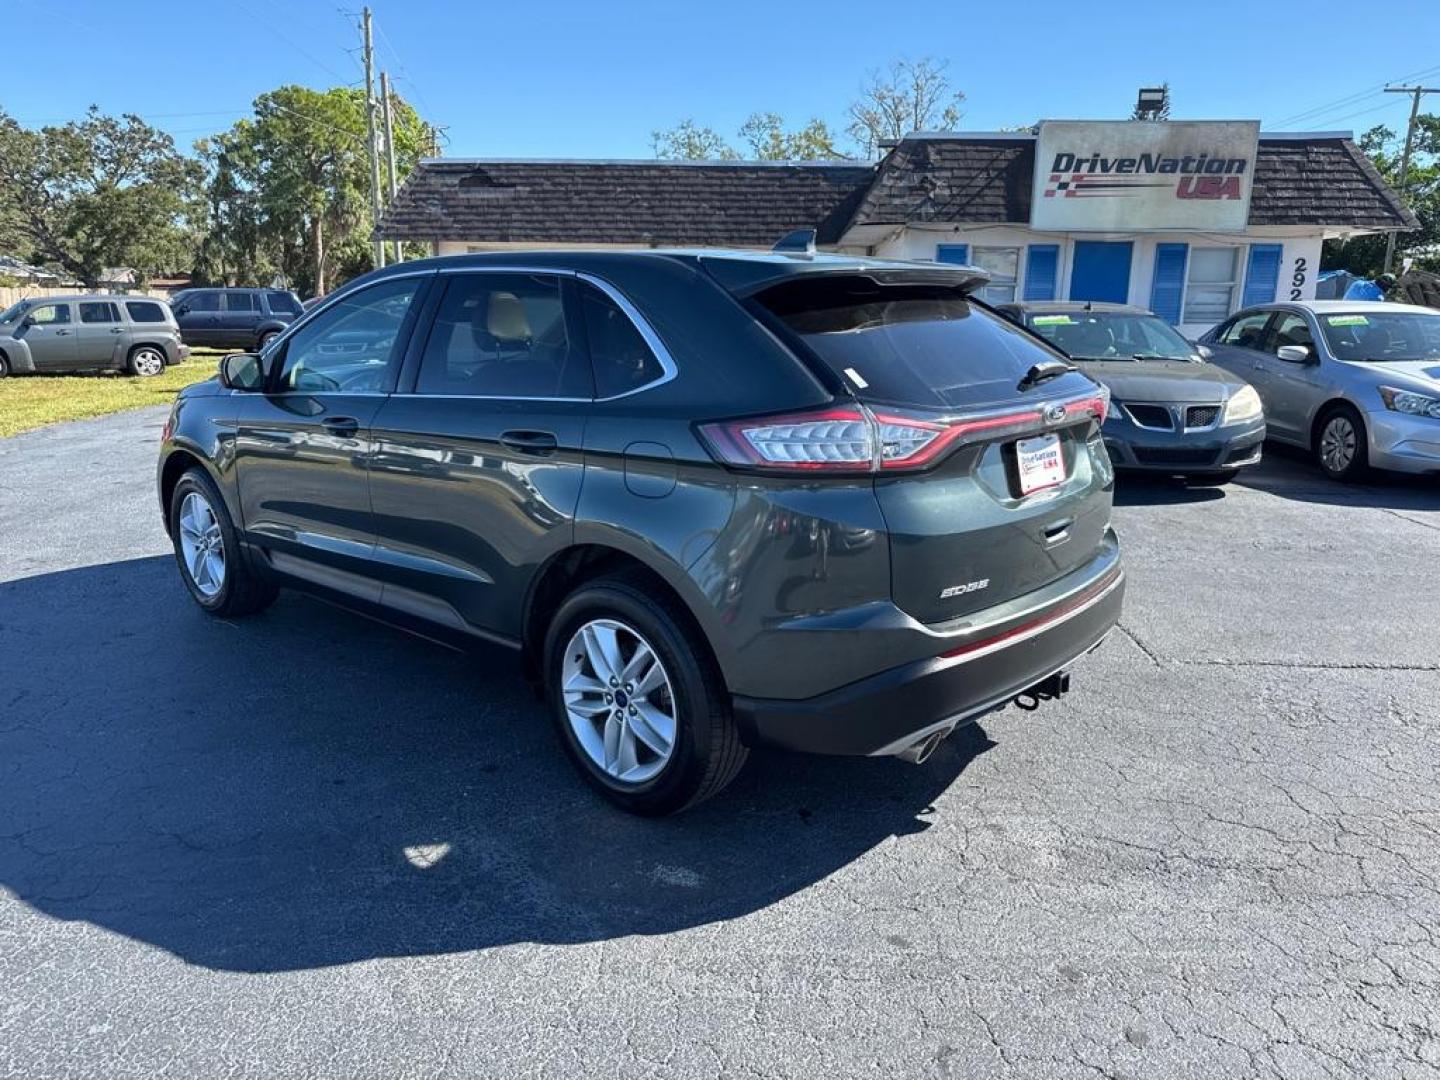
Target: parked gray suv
(713,500)
(89,333)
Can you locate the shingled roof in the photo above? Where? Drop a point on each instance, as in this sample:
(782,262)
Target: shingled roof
(724,204)
(1299,180)
(1322,180)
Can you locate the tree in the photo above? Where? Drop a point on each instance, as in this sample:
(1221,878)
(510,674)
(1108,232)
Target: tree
(909,96)
(1365,255)
(687,141)
(97,192)
(289,188)
(769,141)
(1163,113)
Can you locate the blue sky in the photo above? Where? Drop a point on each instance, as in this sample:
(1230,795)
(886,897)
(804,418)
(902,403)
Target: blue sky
(561,78)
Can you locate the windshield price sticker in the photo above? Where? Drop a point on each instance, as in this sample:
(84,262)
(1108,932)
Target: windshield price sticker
(1347,320)
(1053,320)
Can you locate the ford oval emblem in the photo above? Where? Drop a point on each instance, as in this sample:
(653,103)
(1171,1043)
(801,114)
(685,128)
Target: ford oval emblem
(1054,413)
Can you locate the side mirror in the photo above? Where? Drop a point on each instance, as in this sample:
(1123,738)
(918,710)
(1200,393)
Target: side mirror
(1204,352)
(29,320)
(242,371)
(183,309)
(1294,354)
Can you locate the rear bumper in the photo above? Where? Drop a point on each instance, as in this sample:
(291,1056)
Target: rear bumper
(1172,452)
(885,713)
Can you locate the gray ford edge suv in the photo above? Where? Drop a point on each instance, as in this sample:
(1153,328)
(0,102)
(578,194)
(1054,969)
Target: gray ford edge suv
(714,500)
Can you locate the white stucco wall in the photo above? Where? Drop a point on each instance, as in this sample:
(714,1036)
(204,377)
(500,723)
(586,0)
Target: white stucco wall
(1301,254)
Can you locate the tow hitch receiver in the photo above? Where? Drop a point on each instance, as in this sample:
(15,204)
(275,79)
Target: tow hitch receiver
(1056,686)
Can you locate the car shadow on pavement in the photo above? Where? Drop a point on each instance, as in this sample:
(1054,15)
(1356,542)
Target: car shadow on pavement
(308,787)
(1291,473)
(1142,489)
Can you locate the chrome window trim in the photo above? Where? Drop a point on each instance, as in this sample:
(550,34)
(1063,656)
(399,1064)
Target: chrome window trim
(668,368)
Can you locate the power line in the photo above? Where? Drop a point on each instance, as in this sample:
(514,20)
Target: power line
(1352,99)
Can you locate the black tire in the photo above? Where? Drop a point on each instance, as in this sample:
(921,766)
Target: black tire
(4,365)
(706,752)
(265,339)
(146,361)
(1331,443)
(242,591)
(1212,479)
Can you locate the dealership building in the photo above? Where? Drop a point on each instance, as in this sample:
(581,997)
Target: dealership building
(1193,219)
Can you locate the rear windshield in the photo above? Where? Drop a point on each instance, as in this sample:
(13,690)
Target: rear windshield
(908,344)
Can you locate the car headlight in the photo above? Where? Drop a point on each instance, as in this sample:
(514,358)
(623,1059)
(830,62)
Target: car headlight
(1243,405)
(1407,401)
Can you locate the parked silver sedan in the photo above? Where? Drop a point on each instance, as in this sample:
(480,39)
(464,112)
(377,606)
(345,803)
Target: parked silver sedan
(1356,382)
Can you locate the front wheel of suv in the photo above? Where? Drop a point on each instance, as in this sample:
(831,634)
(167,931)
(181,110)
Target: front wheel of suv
(640,706)
(208,551)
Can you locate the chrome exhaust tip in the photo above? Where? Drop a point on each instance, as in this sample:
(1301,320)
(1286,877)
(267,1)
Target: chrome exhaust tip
(918,753)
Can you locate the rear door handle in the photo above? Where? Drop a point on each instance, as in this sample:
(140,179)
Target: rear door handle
(539,443)
(116,330)
(61,333)
(341,425)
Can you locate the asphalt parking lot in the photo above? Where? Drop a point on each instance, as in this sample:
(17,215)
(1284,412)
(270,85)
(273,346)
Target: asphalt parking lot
(305,844)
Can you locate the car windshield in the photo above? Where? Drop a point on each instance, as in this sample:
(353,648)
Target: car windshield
(1382,335)
(1111,335)
(13,312)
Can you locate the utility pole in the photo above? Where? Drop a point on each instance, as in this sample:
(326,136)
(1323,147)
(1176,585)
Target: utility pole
(389,146)
(371,144)
(1418,92)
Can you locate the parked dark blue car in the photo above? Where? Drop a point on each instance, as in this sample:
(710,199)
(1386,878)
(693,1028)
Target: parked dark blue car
(234,318)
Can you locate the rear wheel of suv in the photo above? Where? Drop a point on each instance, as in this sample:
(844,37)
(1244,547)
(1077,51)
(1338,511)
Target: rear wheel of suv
(208,551)
(638,701)
(146,361)
(1340,444)
(266,338)
(4,365)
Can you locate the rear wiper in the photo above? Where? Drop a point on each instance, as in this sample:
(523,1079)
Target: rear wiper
(1044,372)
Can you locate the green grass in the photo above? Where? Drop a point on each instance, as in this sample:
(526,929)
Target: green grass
(32,401)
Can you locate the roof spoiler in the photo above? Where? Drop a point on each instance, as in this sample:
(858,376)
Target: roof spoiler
(799,242)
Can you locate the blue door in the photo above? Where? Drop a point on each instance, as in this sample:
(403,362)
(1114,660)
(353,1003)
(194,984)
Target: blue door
(1101,271)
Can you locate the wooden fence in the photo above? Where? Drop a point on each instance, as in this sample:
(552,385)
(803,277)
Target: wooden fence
(10,295)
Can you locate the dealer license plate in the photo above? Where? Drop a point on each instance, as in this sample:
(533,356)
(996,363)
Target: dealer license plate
(1041,463)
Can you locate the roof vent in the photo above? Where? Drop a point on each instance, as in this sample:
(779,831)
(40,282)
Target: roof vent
(799,242)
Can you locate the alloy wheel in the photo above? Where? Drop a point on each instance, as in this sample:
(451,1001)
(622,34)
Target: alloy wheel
(202,544)
(619,701)
(1337,444)
(148,362)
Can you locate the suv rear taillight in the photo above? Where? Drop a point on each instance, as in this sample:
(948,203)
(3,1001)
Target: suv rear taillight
(857,439)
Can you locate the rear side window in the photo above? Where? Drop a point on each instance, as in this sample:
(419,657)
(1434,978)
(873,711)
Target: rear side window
(242,301)
(95,311)
(282,303)
(503,335)
(621,358)
(140,311)
(907,344)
